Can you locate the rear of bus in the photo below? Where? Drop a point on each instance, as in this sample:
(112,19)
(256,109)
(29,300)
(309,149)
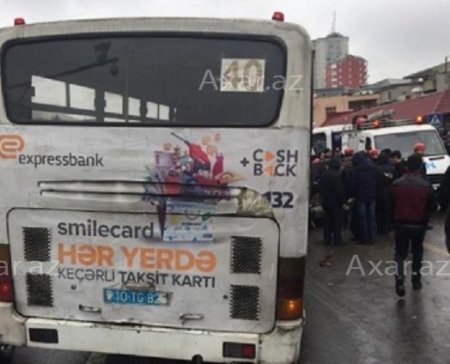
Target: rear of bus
(154,179)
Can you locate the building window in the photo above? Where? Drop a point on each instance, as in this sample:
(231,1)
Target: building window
(330,109)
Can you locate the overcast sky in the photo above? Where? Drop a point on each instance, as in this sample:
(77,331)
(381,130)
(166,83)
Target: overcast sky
(397,37)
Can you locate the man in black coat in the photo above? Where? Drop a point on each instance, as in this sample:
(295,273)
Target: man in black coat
(398,163)
(386,172)
(333,198)
(364,186)
(444,190)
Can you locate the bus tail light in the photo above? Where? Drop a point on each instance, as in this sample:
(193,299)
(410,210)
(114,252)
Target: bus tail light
(19,21)
(6,288)
(278,16)
(291,278)
(239,350)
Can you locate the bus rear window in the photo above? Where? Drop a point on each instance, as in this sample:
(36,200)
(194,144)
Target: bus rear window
(156,80)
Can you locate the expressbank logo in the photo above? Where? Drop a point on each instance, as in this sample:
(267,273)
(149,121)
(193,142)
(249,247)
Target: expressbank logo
(11,145)
(281,163)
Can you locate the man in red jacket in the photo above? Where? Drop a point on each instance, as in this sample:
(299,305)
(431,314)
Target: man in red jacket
(413,203)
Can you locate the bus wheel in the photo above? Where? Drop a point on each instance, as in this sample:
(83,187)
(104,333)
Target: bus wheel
(6,353)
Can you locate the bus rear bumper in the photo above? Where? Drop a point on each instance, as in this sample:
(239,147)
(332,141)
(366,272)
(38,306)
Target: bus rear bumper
(12,326)
(281,346)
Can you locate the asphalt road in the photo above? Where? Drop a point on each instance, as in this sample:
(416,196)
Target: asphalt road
(353,314)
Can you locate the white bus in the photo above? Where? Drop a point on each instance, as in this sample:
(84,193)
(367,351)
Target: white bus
(154,179)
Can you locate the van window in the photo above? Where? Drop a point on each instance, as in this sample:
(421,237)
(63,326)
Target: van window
(319,143)
(404,142)
(336,140)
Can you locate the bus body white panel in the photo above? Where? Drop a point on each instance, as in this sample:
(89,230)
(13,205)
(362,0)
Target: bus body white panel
(75,174)
(277,347)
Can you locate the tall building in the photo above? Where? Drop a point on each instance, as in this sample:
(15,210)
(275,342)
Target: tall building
(350,71)
(334,67)
(331,49)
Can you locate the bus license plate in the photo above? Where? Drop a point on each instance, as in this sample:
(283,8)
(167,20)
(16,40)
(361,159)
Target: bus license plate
(135,297)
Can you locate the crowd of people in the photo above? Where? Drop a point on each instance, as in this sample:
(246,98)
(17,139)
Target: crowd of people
(355,191)
(373,192)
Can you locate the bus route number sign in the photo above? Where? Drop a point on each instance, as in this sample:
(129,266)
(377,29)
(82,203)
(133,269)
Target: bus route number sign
(242,75)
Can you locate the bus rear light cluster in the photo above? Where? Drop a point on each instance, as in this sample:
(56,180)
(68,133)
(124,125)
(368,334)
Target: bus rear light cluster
(239,350)
(278,16)
(6,287)
(291,275)
(19,21)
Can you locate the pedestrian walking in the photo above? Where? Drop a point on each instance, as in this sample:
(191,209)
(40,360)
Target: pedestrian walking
(364,186)
(333,197)
(413,203)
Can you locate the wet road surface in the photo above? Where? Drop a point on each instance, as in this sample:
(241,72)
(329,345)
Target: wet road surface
(353,314)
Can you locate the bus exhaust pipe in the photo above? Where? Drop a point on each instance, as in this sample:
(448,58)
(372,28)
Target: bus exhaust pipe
(197,359)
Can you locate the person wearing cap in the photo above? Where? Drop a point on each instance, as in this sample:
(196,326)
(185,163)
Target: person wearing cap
(348,152)
(373,154)
(413,203)
(419,148)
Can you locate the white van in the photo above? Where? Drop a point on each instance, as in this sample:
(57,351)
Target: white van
(403,138)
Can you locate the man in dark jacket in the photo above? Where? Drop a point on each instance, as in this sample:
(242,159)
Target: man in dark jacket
(444,190)
(413,203)
(333,197)
(444,198)
(364,186)
(447,230)
(349,211)
(398,163)
(386,173)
